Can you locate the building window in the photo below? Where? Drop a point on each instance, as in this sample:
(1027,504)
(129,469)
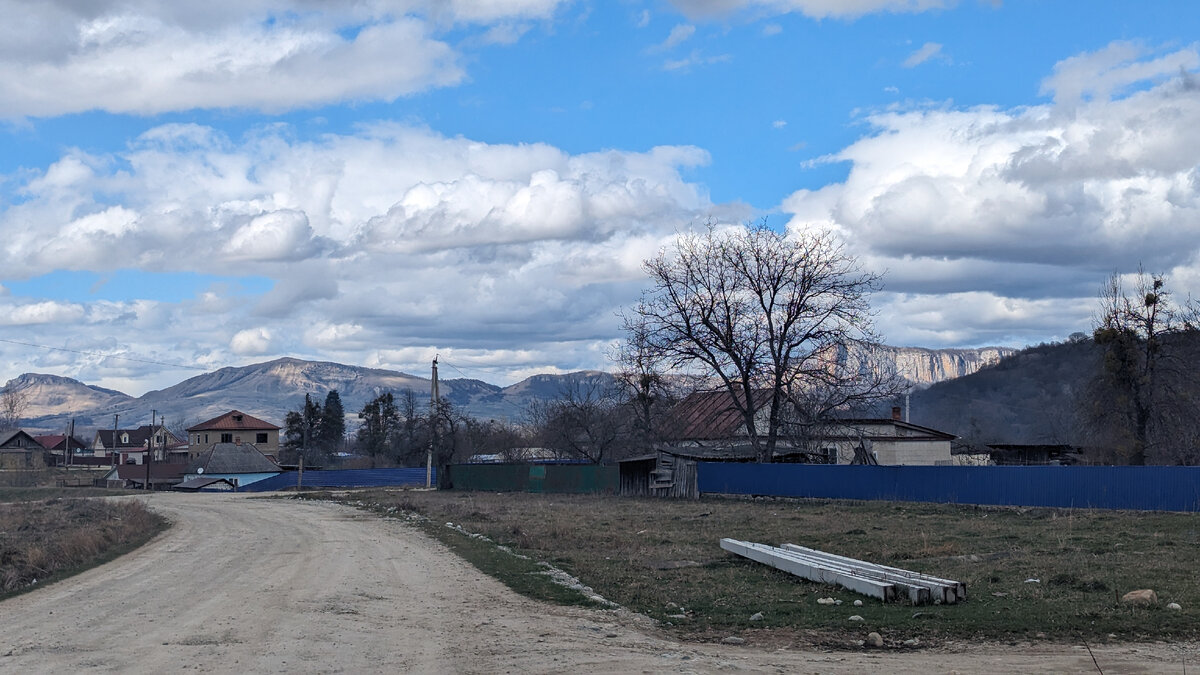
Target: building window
(125,438)
(260,438)
(205,438)
(226,438)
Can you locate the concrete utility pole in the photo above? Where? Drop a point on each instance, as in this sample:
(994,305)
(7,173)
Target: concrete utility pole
(433,401)
(150,448)
(114,439)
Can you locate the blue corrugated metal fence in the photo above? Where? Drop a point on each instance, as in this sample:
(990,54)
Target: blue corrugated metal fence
(343,478)
(1145,488)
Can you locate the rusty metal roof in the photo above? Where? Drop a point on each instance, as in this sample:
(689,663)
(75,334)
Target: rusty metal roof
(709,415)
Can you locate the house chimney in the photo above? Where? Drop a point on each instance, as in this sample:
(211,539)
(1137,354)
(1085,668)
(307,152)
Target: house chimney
(896,414)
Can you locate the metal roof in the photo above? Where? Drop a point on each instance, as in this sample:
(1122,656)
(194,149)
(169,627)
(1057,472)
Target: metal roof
(709,415)
(232,458)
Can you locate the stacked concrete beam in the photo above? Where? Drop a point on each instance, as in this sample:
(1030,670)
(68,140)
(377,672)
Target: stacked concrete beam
(877,581)
(941,590)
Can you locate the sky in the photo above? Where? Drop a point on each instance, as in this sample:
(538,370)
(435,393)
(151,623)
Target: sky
(189,186)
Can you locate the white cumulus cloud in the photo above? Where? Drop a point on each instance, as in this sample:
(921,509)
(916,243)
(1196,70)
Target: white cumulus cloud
(271,55)
(251,342)
(1026,204)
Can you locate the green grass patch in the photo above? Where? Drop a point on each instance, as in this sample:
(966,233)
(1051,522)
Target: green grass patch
(662,558)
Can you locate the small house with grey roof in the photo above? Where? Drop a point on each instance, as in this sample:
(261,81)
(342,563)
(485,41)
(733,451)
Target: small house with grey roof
(240,463)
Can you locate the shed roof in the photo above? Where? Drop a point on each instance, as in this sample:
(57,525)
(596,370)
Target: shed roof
(224,458)
(234,420)
(890,429)
(16,439)
(158,471)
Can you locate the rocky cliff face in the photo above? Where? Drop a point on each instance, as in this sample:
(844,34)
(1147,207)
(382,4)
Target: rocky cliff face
(924,367)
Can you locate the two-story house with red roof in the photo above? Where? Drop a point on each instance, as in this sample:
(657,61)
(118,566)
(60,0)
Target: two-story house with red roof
(235,427)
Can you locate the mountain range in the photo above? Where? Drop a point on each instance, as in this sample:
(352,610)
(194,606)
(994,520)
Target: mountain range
(269,390)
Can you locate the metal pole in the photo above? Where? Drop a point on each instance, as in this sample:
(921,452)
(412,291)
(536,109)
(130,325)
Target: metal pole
(114,439)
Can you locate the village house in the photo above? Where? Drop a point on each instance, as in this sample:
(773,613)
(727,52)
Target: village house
(61,448)
(130,446)
(233,427)
(239,463)
(706,426)
(19,450)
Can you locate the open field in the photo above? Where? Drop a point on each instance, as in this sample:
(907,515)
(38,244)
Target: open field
(44,541)
(662,558)
(247,584)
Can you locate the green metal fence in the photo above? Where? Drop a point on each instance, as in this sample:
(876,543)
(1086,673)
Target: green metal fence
(560,478)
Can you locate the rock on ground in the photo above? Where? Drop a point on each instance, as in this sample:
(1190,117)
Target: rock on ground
(1140,598)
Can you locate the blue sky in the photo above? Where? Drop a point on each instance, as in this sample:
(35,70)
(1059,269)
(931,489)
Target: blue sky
(375,183)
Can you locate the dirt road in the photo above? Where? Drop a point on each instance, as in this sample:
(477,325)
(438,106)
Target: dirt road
(271,586)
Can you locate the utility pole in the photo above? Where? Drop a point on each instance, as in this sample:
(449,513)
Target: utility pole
(114,439)
(433,401)
(67,445)
(150,449)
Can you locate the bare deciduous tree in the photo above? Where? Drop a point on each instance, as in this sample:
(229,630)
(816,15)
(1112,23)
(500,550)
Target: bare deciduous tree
(586,421)
(758,310)
(1139,403)
(13,404)
(644,384)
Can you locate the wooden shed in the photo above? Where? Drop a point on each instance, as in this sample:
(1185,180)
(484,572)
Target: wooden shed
(661,474)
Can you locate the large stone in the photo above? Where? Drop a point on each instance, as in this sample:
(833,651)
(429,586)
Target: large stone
(874,639)
(1140,598)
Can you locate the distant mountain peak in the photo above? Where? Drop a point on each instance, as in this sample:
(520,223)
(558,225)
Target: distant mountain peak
(270,389)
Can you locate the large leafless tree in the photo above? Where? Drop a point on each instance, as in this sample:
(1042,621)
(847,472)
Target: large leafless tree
(761,311)
(1141,403)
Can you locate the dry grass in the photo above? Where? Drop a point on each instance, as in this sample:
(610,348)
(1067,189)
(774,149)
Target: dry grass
(45,540)
(662,558)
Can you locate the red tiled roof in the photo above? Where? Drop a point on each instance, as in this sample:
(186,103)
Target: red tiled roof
(234,420)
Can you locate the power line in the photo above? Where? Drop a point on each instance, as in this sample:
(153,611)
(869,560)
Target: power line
(107,356)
